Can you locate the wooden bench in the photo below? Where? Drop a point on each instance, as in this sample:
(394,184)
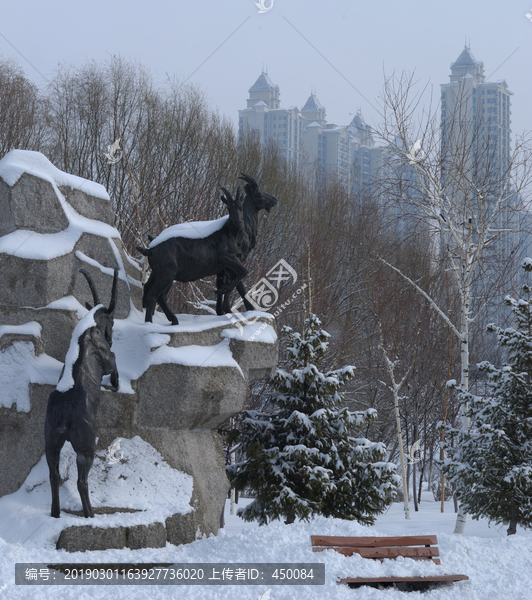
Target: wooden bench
(419,547)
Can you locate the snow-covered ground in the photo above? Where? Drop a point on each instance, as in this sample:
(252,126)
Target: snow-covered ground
(498,567)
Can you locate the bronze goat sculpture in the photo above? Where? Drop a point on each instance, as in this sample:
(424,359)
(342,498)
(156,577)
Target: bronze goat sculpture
(254,202)
(184,259)
(72,407)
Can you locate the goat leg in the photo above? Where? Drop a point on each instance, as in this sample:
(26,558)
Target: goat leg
(226,305)
(150,299)
(156,294)
(222,301)
(240,288)
(84,461)
(53,453)
(161,301)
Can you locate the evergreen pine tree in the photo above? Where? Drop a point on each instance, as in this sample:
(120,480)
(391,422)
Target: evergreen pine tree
(491,464)
(301,460)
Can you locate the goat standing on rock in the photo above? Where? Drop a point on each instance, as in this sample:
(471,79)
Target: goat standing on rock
(192,257)
(72,407)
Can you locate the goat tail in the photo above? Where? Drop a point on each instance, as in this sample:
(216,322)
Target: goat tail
(145,251)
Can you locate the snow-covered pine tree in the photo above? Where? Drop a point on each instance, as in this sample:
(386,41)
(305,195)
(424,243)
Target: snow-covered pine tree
(491,464)
(302,460)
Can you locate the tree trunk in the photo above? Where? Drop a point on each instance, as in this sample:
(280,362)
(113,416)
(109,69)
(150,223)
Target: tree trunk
(414,487)
(290,517)
(464,382)
(402,456)
(233,491)
(431,463)
(422,472)
(512,529)
(412,458)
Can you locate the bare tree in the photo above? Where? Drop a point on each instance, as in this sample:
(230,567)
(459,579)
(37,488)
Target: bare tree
(22,110)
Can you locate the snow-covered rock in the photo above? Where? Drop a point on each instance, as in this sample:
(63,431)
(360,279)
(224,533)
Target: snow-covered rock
(51,225)
(177,383)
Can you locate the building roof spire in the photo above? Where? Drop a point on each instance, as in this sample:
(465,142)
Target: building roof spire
(262,83)
(466,59)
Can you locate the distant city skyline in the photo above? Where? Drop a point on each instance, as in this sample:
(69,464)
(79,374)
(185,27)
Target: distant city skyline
(305,136)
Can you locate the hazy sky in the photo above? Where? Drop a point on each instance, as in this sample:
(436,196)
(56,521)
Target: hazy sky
(340,48)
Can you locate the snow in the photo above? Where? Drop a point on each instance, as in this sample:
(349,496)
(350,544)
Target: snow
(122,274)
(19,367)
(139,480)
(498,567)
(415,152)
(218,355)
(46,246)
(252,332)
(67,303)
(17,162)
(108,270)
(193,230)
(31,328)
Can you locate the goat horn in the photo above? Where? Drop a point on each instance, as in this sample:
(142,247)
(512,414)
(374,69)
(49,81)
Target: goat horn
(112,304)
(249,180)
(91,285)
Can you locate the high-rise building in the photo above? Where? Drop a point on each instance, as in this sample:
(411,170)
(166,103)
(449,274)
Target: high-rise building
(265,119)
(475,121)
(366,156)
(303,136)
(476,163)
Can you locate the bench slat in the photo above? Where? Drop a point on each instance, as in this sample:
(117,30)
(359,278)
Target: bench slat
(428,578)
(410,552)
(358,542)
